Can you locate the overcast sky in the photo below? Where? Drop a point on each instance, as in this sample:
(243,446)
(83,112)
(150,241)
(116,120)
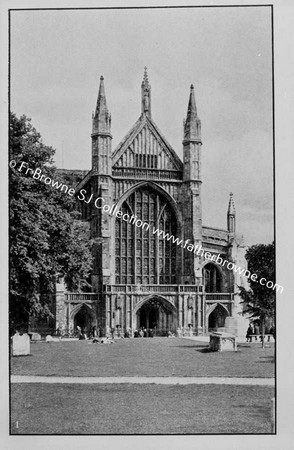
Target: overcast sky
(57,58)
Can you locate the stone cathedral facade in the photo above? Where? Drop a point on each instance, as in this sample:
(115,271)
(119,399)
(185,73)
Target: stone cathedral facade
(140,277)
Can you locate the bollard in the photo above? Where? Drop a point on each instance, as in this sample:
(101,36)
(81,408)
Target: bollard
(273,415)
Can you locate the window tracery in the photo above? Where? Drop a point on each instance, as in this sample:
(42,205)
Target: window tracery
(141,257)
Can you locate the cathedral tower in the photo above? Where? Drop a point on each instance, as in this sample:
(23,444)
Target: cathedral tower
(101,134)
(192,142)
(101,186)
(192,211)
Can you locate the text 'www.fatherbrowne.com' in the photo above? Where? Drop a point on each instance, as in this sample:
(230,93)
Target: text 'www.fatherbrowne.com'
(113,210)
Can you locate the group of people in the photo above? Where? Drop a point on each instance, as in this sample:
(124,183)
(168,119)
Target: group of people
(111,333)
(143,332)
(81,334)
(254,330)
(104,340)
(170,334)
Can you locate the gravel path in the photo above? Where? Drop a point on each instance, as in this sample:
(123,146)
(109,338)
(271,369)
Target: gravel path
(144,380)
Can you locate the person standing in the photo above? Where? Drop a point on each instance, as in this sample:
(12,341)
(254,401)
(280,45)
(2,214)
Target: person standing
(256,331)
(112,332)
(249,333)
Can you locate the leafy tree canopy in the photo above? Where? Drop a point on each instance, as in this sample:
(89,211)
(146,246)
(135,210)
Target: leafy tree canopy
(46,237)
(259,300)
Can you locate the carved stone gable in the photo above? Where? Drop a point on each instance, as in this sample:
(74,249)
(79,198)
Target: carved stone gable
(145,148)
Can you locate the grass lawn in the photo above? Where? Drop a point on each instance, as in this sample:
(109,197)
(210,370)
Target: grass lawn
(144,357)
(144,409)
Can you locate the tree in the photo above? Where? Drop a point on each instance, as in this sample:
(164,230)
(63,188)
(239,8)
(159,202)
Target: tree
(259,300)
(46,237)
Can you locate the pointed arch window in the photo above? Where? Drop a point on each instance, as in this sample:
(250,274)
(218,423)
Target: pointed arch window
(141,256)
(212,278)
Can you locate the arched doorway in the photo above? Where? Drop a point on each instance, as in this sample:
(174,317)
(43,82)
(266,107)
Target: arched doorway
(217,318)
(85,319)
(157,315)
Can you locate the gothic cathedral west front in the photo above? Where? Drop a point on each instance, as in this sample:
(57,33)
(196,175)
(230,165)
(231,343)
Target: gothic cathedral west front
(141,277)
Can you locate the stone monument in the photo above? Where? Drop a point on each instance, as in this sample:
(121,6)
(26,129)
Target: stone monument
(220,342)
(20,344)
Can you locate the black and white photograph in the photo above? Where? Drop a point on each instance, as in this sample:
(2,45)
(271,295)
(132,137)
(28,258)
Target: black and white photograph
(142,225)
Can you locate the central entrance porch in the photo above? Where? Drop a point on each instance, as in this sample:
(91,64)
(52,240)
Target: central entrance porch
(156,314)
(83,316)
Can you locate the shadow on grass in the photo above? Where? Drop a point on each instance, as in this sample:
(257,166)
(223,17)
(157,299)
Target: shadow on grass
(205,350)
(189,346)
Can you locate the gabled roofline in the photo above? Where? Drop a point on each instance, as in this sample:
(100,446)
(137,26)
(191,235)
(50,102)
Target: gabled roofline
(143,120)
(167,144)
(120,148)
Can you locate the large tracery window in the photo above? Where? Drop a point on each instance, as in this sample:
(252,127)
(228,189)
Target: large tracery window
(141,256)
